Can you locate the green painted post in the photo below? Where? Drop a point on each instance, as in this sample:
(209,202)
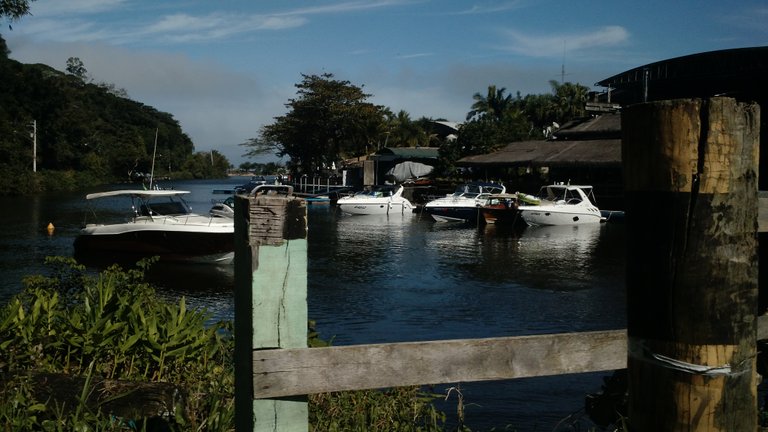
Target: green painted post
(270,300)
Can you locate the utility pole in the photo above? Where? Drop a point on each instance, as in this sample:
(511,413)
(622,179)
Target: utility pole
(34,145)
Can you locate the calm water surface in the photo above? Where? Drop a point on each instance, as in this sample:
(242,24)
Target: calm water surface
(401,278)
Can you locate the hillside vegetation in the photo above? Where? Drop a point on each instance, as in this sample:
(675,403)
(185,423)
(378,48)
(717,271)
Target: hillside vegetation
(85,133)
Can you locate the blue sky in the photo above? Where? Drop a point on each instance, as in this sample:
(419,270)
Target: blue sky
(224,68)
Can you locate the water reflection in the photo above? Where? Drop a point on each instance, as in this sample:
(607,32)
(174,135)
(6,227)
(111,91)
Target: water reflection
(559,257)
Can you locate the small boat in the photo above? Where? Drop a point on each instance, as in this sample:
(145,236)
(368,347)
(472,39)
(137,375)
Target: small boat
(159,223)
(223,208)
(562,204)
(464,204)
(501,209)
(377,201)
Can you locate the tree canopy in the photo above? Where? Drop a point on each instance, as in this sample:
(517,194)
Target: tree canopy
(14,9)
(329,120)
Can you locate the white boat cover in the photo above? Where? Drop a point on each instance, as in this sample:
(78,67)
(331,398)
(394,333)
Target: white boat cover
(407,170)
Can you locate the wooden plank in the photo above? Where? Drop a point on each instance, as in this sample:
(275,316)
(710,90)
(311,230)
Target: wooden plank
(287,372)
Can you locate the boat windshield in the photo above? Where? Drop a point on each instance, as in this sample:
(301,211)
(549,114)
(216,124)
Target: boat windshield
(165,208)
(560,193)
(467,190)
(377,192)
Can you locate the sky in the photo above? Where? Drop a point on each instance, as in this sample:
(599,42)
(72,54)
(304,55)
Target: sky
(225,68)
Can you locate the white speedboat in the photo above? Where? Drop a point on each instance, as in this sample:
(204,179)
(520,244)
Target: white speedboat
(562,204)
(380,200)
(464,205)
(159,223)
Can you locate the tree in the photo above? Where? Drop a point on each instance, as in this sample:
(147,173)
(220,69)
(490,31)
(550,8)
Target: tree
(4,51)
(570,99)
(494,104)
(76,67)
(329,120)
(404,132)
(14,9)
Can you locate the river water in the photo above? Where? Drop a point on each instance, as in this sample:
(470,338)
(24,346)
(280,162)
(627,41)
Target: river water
(402,278)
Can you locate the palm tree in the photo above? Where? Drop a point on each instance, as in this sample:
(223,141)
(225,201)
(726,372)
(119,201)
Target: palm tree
(404,132)
(494,104)
(570,99)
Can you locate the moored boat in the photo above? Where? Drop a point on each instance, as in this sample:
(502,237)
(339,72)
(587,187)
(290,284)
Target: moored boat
(501,209)
(562,204)
(159,223)
(464,205)
(377,201)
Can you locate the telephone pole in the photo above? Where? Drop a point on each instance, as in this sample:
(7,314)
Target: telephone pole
(34,145)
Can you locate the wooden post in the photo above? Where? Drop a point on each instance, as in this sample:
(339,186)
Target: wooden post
(270,300)
(690,170)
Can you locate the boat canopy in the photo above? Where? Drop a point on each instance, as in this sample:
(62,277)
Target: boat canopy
(144,194)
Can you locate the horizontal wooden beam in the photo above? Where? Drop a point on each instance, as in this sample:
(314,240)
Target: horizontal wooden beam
(291,372)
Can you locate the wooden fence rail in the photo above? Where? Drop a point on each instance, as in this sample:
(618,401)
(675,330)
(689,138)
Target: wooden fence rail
(290,372)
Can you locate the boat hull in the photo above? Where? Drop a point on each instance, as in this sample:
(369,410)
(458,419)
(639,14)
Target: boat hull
(373,208)
(454,213)
(170,245)
(501,215)
(555,215)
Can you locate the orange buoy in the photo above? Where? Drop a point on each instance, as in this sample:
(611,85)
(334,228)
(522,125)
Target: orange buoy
(50,228)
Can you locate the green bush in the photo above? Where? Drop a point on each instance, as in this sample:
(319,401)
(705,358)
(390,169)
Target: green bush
(112,326)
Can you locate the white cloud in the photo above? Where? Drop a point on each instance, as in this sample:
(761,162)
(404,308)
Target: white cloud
(553,44)
(494,7)
(43,8)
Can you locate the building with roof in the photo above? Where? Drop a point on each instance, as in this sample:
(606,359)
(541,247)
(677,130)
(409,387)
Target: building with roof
(739,73)
(589,150)
(586,151)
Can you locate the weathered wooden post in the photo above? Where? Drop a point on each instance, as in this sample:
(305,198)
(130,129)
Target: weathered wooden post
(270,300)
(690,170)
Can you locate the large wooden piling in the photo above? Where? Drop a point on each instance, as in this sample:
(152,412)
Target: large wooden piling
(690,170)
(270,300)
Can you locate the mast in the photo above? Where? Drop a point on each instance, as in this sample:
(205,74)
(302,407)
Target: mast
(154,152)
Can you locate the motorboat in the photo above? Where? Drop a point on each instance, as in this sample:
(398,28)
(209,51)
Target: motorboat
(159,223)
(464,204)
(501,209)
(562,204)
(223,208)
(380,200)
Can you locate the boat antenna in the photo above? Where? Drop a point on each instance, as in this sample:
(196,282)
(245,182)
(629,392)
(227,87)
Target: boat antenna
(154,152)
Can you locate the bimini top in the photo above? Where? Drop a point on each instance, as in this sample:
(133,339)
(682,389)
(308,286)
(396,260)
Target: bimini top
(144,194)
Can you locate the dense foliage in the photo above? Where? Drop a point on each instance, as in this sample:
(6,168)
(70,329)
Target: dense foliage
(85,132)
(113,326)
(108,326)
